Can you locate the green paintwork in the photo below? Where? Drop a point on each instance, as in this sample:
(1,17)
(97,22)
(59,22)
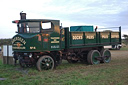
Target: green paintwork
(108,56)
(30,42)
(56,45)
(46,40)
(94,55)
(28,35)
(93,39)
(75,41)
(34,45)
(90,41)
(56,39)
(67,39)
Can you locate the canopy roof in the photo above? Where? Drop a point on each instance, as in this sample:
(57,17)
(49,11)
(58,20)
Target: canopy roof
(34,20)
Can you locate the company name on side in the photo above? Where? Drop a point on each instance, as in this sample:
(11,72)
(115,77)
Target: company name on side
(115,36)
(104,36)
(77,37)
(19,39)
(90,37)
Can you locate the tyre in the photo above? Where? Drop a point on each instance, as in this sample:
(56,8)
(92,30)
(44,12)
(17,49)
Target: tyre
(45,63)
(92,57)
(106,54)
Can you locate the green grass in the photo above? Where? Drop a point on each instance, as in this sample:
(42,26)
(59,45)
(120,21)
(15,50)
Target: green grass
(124,48)
(114,73)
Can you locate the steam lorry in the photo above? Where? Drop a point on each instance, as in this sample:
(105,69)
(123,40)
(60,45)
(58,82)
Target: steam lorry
(36,45)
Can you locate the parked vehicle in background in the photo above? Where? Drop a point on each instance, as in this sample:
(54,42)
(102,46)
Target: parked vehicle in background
(116,47)
(113,47)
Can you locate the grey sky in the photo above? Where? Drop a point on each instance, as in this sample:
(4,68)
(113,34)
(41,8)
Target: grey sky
(101,13)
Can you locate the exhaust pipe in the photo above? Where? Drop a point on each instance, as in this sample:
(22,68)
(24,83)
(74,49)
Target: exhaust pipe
(23,28)
(22,16)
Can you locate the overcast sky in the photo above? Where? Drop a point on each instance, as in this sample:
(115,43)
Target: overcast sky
(101,13)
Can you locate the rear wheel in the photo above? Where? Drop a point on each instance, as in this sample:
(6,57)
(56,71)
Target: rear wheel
(106,54)
(45,63)
(93,56)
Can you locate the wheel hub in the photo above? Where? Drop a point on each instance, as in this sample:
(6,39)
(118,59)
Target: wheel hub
(47,64)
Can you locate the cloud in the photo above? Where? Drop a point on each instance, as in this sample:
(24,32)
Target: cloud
(104,13)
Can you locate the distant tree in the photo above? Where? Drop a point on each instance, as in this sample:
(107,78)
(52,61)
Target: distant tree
(5,42)
(107,31)
(125,39)
(125,36)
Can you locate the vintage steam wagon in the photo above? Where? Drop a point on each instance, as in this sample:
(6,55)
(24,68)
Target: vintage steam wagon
(34,45)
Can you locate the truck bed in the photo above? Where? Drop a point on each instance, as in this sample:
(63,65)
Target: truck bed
(91,39)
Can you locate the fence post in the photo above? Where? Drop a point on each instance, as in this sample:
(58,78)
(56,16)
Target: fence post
(7,54)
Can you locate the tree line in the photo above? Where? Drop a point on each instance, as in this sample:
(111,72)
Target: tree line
(5,42)
(125,40)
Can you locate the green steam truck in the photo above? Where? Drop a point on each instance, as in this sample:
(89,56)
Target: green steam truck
(45,47)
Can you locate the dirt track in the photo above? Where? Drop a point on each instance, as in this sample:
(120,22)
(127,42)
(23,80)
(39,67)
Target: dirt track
(119,54)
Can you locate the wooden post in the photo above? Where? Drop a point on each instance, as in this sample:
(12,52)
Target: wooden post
(7,58)
(7,54)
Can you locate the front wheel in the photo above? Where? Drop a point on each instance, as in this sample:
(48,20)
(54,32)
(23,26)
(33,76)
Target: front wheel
(45,63)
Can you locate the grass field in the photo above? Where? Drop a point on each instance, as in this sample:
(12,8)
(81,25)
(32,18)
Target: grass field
(124,48)
(113,73)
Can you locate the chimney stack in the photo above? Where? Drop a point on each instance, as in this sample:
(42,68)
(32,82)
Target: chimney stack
(22,16)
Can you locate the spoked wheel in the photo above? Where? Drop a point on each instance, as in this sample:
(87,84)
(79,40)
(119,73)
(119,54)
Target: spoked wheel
(45,63)
(93,56)
(106,54)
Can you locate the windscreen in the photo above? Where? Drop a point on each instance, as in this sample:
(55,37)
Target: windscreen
(29,27)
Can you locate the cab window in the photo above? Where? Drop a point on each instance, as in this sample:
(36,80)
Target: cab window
(46,25)
(29,27)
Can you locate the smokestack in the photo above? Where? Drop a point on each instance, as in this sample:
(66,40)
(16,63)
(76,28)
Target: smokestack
(22,16)
(23,25)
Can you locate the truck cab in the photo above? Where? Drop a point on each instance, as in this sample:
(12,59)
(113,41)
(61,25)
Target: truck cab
(33,34)
(35,38)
